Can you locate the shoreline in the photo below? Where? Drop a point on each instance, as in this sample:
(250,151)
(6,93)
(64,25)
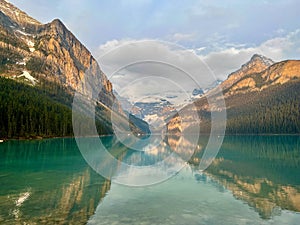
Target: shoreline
(45,138)
(2,140)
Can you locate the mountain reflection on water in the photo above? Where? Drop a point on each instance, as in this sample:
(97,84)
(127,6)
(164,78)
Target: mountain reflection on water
(47,182)
(253,180)
(263,171)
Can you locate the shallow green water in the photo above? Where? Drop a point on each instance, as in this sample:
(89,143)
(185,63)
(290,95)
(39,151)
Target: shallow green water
(253,180)
(47,182)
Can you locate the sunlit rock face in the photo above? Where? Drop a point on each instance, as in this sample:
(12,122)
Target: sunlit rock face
(276,74)
(282,72)
(49,52)
(256,64)
(50,57)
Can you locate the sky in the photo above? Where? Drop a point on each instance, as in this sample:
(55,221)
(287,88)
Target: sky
(224,34)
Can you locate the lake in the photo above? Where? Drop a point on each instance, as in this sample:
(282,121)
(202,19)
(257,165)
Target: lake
(252,180)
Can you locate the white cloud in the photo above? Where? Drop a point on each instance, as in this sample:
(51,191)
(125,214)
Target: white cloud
(148,66)
(227,60)
(147,61)
(110,45)
(124,53)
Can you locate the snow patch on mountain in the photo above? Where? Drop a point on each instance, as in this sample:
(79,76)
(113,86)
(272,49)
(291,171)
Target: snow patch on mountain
(27,38)
(22,32)
(28,76)
(152,119)
(30,45)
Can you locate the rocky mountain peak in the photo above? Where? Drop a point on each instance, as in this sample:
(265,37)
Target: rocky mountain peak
(50,56)
(47,52)
(57,24)
(15,14)
(259,59)
(276,74)
(256,64)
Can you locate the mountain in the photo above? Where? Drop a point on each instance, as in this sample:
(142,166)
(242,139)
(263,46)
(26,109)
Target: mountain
(47,51)
(278,73)
(256,64)
(16,17)
(50,59)
(154,112)
(260,97)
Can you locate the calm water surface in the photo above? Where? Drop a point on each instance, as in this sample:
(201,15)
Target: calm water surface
(253,180)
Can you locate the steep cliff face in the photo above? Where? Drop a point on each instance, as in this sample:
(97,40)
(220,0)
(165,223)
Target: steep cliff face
(68,57)
(50,58)
(48,52)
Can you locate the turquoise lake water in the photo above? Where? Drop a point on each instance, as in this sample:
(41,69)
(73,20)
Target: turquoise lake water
(252,180)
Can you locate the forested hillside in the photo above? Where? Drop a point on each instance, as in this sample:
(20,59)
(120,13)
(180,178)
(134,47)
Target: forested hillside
(46,65)
(275,110)
(30,112)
